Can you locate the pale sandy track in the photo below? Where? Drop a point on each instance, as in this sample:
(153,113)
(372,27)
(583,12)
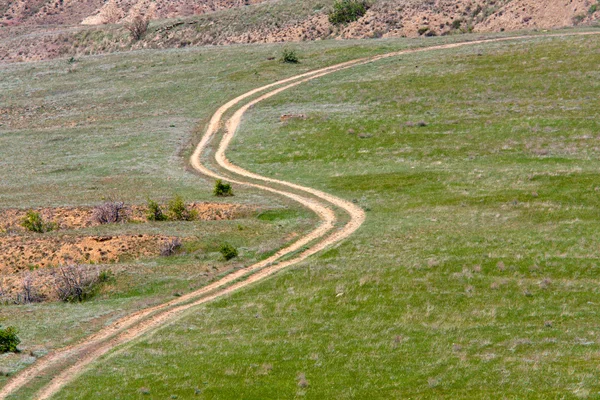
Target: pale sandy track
(141,322)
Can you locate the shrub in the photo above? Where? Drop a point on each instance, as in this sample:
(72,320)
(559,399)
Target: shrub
(33,222)
(593,8)
(178,211)
(9,339)
(137,27)
(170,247)
(110,212)
(228,251)
(222,189)
(345,11)
(289,56)
(154,212)
(75,283)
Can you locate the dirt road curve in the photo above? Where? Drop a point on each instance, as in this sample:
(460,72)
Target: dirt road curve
(67,363)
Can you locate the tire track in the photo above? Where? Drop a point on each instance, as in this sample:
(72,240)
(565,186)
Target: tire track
(136,324)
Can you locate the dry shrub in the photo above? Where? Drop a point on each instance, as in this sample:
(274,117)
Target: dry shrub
(138,26)
(170,247)
(75,283)
(27,292)
(110,212)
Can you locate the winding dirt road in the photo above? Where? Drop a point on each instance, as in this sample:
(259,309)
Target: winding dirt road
(64,365)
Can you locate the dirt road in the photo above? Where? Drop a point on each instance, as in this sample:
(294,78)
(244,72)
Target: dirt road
(65,364)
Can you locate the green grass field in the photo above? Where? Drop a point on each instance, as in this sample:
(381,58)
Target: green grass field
(475,274)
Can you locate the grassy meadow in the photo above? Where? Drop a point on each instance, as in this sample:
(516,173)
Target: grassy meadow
(122,126)
(476,272)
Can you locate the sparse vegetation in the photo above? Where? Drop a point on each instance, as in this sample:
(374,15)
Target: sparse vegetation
(346,11)
(34,222)
(9,339)
(222,189)
(228,251)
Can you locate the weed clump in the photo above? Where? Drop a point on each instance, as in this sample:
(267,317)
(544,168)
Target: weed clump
(9,339)
(178,211)
(289,56)
(155,212)
(34,222)
(222,189)
(346,11)
(228,251)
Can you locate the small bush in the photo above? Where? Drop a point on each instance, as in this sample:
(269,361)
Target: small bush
(74,283)
(170,247)
(33,222)
(222,189)
(289,56)
(345,11)
(228,251)
(593,8)
(9,340)
(110,212)
(154,212)
(178,211)
(137,27)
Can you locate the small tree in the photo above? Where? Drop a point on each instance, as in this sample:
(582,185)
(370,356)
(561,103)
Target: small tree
(345,11)
(222,189)
(154,212)
(9,339)
(228,251)
(33,222)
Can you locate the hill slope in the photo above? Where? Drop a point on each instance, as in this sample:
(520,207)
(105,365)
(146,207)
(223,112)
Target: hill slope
(257,21)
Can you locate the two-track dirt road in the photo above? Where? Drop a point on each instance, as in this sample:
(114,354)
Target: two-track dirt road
(64,365)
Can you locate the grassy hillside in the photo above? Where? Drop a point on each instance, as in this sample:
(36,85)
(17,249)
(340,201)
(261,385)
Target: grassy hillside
(476,272)
(74,132)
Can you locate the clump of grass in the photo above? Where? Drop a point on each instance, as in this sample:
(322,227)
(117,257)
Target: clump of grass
(346,11)
(178,211)
(289,56)
(222,189)
(34,222)
(155,212)
(9,339)
(228,251)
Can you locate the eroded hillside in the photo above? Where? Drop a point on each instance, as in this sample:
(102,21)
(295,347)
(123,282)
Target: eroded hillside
(179,23)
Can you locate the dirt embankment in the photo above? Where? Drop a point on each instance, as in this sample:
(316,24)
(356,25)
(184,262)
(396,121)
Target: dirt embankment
(20,249)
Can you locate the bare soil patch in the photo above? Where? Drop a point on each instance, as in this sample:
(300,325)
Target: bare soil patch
(21,250)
